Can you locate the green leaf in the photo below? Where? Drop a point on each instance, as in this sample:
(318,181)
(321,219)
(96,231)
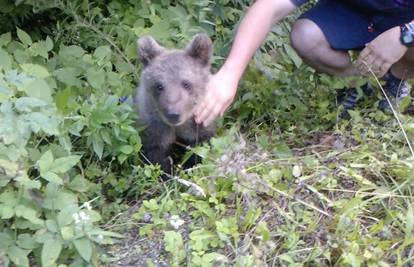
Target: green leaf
(6,212)
(27,104)
(45,161)
(79,184)
(18,256)
(62,165)
(67,232)
(26,241)
(84,248)
(40,89)
(6,60)
(48,44)
(173,241)
(126,149)
(52,177)
(51,251)
(98,146)
(24,37)
(96,78)
(35,70)
(102,52)
(5,39)
(27,213)
(68,76)
(71,52)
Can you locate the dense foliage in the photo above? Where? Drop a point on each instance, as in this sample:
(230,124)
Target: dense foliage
(285,183)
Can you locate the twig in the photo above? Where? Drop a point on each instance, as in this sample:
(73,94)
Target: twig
(393,110)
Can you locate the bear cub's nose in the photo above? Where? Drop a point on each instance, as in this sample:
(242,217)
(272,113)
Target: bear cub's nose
(173,117)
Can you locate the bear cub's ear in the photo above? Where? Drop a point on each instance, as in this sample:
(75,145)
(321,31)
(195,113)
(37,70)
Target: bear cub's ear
(148,49)
(201,48)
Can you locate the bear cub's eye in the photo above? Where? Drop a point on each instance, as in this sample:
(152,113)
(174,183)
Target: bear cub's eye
(159,86)
(187,85)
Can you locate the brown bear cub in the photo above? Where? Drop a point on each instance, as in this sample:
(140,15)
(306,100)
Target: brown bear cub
(171,84)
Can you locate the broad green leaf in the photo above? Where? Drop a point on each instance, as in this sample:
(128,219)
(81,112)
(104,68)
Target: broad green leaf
(40,89)
(173,241)
(26,241)
(96,78)
(27,213)
(18,256)
(67,232)
(35,70)
(62,165)
(51,251)
(27,104)
(7,240)
(5,38)
(38,121)
(84,248)
(71,52)
(57,199)
(68,76)
(24,37)
(52,177)
(6,212)
(48,44)
(102,52)
(6,60)
(126,149)
(65,215)
(45,161)
(98,146)
(79,184)
(39,49)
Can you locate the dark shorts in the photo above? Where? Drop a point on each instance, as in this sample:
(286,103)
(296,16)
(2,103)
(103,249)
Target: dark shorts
(350,26)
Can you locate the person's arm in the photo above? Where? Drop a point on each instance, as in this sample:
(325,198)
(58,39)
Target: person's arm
(251,33)
(381,53)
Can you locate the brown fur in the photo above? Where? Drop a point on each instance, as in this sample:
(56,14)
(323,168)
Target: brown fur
(172,82)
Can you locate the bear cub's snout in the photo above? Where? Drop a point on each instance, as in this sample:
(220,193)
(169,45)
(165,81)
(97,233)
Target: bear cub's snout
(171,84)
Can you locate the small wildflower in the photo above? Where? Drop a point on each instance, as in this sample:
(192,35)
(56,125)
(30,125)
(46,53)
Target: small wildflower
(76,218)
(87,205)
(176,221)
(99,238)
(84,217)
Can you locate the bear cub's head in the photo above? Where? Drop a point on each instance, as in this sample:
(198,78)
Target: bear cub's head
(175,80)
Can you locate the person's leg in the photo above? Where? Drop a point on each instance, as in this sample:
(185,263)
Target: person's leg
(311,44)
(404,69)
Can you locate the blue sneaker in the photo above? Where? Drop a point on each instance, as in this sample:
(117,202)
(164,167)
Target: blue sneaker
(396,89)
(349,98)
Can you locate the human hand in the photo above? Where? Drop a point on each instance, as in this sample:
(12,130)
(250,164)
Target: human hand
(380,54)
(220,93)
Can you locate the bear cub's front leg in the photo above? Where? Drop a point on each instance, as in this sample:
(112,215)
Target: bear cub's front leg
(157,143)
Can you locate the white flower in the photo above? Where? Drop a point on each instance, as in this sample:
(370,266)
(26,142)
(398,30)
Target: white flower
(99,238)
(87,205)
(84,217)
(76,218)
(176,221)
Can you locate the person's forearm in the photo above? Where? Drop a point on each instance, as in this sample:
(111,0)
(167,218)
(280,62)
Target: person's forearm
(253,30)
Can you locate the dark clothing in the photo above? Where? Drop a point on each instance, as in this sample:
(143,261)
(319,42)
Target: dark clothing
(350,24)
(372,3)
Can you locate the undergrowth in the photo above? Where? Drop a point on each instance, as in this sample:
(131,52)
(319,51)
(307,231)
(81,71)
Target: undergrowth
(284,182)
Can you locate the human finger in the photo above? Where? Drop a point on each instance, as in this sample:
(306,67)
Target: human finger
(211,116)
(209,108)
(361,61)
(384,67)
(365,52)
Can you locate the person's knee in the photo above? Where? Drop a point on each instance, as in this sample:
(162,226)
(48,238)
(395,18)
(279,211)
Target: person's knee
(306,37)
